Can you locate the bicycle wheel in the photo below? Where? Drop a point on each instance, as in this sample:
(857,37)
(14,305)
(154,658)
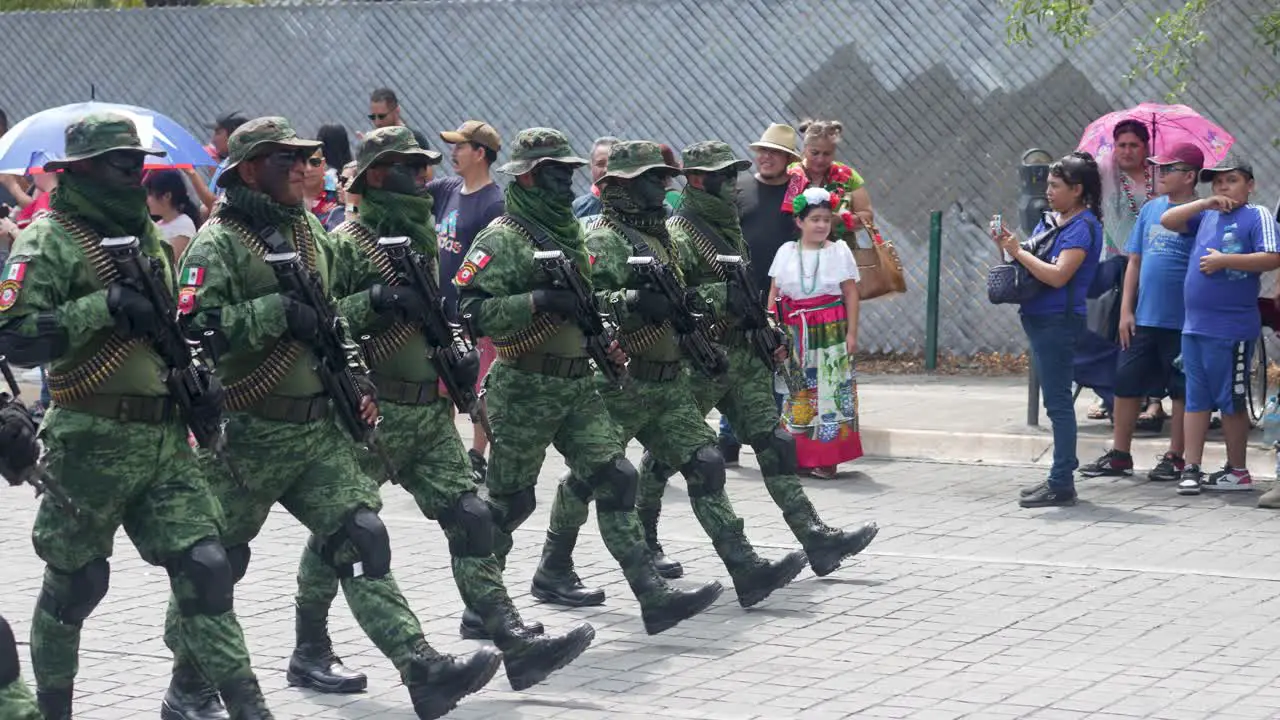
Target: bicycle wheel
(1257,391)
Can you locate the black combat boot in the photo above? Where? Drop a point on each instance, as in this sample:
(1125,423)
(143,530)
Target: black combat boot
(244,697)
(190,697)
(472,627)
(663,606)
(667,567)
(437,682)
(314,664)
(55,704)
(530,659)
(555,581)
(826,546)
(754,578)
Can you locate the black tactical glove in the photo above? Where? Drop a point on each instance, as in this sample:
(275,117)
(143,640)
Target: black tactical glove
(651,305)
(469,369)
(134,315)
(207,409)
(365,385)
(740,305)
(302,321)
(399,300)
(557,302)
(18,445)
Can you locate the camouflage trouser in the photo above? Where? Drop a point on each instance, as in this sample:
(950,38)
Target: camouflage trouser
(312,470)
(16,700)
(530,412)
(146,478)
(432,465)
(745,396)
(667,422)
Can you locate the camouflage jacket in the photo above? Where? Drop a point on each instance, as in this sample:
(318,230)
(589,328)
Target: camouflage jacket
(700,271)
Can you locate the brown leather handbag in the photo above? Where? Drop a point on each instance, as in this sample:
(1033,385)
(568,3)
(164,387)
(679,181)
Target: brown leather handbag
(879,267)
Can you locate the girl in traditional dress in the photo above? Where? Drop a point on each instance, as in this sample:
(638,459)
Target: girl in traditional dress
(815,281)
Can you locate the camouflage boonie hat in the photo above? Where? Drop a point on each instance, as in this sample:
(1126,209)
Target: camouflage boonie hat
(394,142)
(711,156)
(99,133)
(632,158)
(535,146)
(245,142)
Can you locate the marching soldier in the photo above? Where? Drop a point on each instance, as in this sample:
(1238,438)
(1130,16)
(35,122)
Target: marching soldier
(658,406)
(420,435)
(285,441)
(541,390)
(113,438)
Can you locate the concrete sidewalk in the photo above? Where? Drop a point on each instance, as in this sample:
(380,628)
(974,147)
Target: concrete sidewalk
(983,420)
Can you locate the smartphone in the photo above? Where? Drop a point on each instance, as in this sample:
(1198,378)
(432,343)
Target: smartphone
(997,223)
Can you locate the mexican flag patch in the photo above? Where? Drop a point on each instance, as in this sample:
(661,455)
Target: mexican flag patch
(16,272)
(192,276)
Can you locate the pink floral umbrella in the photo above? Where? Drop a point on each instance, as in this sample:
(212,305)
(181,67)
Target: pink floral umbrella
(1169,126)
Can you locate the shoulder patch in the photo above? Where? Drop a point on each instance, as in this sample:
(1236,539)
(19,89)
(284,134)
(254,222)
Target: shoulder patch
(479,256)
(186,300)
(591,258)
(192,276)
(14,273)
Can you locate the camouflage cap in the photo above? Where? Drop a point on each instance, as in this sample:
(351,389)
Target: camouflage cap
(534,146)
(99,133)
(258,134)
(631,158)
(389,144)
(711,156)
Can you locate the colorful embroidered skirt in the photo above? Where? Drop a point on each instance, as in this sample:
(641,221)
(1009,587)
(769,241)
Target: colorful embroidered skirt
(823,413)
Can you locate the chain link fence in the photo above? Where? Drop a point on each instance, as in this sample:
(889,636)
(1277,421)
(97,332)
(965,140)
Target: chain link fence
(937,109)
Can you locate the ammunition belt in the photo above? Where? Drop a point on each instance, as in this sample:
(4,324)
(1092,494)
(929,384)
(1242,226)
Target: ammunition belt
(554,365)
(293,410)
(126,408)
(249,390)
(80,381)
(637,341)
(543,327)
(654,370)
(406,393)
(705,246)
(383,345)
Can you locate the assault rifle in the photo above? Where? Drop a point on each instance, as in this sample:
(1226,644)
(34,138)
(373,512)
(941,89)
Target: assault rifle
(598,329)
(686,320)
(450,346)
(187,380)
(34,475)
(330,348)
(765,336)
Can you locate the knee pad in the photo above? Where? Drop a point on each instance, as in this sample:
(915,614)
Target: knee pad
(238,556)
(364,529)
(206,567)
(88,585)
(649,465)
(519,506)
(782,446)
(8,655)
(704,472)
(615,484)
(580,488)
(469,527)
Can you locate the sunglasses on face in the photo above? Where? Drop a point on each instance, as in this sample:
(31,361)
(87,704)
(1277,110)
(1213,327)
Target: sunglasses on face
(284,158)
(1170,169)
(315,161)
(374,117)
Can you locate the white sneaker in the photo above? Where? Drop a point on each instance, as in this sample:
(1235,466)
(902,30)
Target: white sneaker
(1191,480)
(1228,479)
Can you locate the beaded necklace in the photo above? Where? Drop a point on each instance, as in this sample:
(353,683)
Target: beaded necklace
(816,267)
(1126,184)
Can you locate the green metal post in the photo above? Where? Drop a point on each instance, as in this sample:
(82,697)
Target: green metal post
(931,302)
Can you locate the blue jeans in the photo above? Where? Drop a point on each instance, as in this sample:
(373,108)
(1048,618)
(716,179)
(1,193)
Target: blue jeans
(1053,347)
(726,432)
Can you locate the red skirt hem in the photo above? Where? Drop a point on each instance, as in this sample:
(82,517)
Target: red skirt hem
(812,453)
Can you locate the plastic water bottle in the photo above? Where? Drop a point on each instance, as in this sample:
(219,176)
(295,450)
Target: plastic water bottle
(1271,422)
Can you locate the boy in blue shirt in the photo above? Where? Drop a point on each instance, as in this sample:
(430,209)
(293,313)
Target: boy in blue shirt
(1151,318)
(1235,243)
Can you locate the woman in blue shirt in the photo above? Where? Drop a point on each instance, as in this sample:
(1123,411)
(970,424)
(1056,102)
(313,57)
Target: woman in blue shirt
(1055,317)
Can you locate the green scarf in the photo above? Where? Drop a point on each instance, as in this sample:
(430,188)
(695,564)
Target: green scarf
(532,205)
(720,214)
(111,211)
(261,209)
(620,207)
(390,214)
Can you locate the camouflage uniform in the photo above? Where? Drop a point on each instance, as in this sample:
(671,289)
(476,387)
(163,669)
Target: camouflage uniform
(745,393)
(419,433)
(283,437)
(112,438)
(657,407)
(541,390)
(16,700)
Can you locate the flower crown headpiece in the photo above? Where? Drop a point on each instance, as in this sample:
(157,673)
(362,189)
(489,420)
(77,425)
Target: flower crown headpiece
(813,196)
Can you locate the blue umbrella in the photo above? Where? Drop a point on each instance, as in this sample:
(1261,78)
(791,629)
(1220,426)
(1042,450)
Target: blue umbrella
(39,138)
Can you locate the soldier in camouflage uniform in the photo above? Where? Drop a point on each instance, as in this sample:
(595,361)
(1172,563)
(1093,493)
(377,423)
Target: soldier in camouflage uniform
(113,437)
(707,223)
(657,407)
(418,432)
(541,390)
(283,436)
(16,700)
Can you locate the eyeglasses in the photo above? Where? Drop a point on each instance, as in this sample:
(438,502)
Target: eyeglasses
(374,117)
(1170,169)
(315,161)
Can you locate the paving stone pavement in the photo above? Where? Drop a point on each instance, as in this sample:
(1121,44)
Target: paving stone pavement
(1137,603)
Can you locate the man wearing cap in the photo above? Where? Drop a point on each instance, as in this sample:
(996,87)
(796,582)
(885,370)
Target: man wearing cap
(1235,242)
(707,224)
(420,435)
(657,407)
(1151,318)
(464,205)
(541,390)
(287,446)
(113,438)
